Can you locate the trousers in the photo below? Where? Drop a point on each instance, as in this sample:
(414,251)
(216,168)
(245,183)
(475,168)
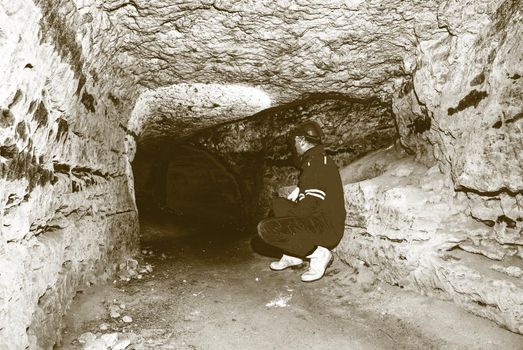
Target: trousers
(298,236)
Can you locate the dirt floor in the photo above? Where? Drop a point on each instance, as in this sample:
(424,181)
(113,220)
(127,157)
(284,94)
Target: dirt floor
(194,289)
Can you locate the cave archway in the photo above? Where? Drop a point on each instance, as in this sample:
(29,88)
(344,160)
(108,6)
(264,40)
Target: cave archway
(180,185)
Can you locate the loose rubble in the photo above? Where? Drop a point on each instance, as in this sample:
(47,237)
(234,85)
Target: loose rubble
(114,311)
(115,321)
(132,269)
(107,341)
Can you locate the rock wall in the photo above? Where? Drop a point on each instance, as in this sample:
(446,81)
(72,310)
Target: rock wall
(403,225)
(67,212)
(257,149)
(82,79)
(451,224)
(468,83)
(468,90)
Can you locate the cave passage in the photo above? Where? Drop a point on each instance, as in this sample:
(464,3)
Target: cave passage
(181,109)
(188,193)
(198,287)
(198,284)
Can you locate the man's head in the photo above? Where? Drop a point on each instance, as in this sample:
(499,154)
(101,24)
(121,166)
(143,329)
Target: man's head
(306,135)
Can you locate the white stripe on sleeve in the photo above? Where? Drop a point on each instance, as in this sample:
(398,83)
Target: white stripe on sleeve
(316,195)
(315,190)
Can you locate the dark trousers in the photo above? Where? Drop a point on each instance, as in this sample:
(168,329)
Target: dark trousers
(298,236)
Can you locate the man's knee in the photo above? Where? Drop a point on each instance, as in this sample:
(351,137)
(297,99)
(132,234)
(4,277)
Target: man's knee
(261,228)
(266,228)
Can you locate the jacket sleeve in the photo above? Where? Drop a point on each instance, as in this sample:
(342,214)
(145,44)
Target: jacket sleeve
(312,189)
(283,207)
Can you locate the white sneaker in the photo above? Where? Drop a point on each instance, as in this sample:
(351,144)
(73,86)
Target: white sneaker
(320,260)
(285,261)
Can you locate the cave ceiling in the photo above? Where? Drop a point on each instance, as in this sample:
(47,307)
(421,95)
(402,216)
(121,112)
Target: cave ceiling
(285,49)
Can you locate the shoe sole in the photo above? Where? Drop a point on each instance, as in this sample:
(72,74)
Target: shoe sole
(319,278)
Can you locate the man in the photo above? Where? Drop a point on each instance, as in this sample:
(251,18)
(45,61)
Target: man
(310,222)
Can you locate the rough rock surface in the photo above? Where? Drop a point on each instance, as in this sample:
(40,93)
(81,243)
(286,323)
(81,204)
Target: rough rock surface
(463,110)
(176,111)
(287,47)
(258,151)
(73,72)
(67,213)
(466,96)
(402,223)
(284,50)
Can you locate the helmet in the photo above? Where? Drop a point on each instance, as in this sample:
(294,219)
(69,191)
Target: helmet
(310,129)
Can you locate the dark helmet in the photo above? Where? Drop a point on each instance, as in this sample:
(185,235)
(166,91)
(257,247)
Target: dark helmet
(310,130)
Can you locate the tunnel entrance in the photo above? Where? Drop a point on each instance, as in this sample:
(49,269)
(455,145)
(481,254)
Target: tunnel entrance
(182,191)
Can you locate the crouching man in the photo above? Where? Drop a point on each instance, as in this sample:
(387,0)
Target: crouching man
(311,220)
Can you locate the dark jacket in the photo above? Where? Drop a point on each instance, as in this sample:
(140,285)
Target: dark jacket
(321,191)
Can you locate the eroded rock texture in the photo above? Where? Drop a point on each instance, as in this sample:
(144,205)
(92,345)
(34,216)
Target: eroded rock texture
(402,224)
(66,204)
(258,151)
(288,47)
(474,100)
(285,50)
(85,80)
(150,55)
(457,233)
(468,83)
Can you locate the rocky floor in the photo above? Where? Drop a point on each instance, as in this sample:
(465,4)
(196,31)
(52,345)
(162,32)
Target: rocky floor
(192,288)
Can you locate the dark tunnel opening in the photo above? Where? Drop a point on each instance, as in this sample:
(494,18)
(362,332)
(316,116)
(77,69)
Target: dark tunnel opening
(185,194)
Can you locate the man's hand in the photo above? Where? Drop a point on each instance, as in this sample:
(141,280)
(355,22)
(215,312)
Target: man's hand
(293,196)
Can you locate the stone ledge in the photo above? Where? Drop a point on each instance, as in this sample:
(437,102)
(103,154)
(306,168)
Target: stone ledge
(404,226)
